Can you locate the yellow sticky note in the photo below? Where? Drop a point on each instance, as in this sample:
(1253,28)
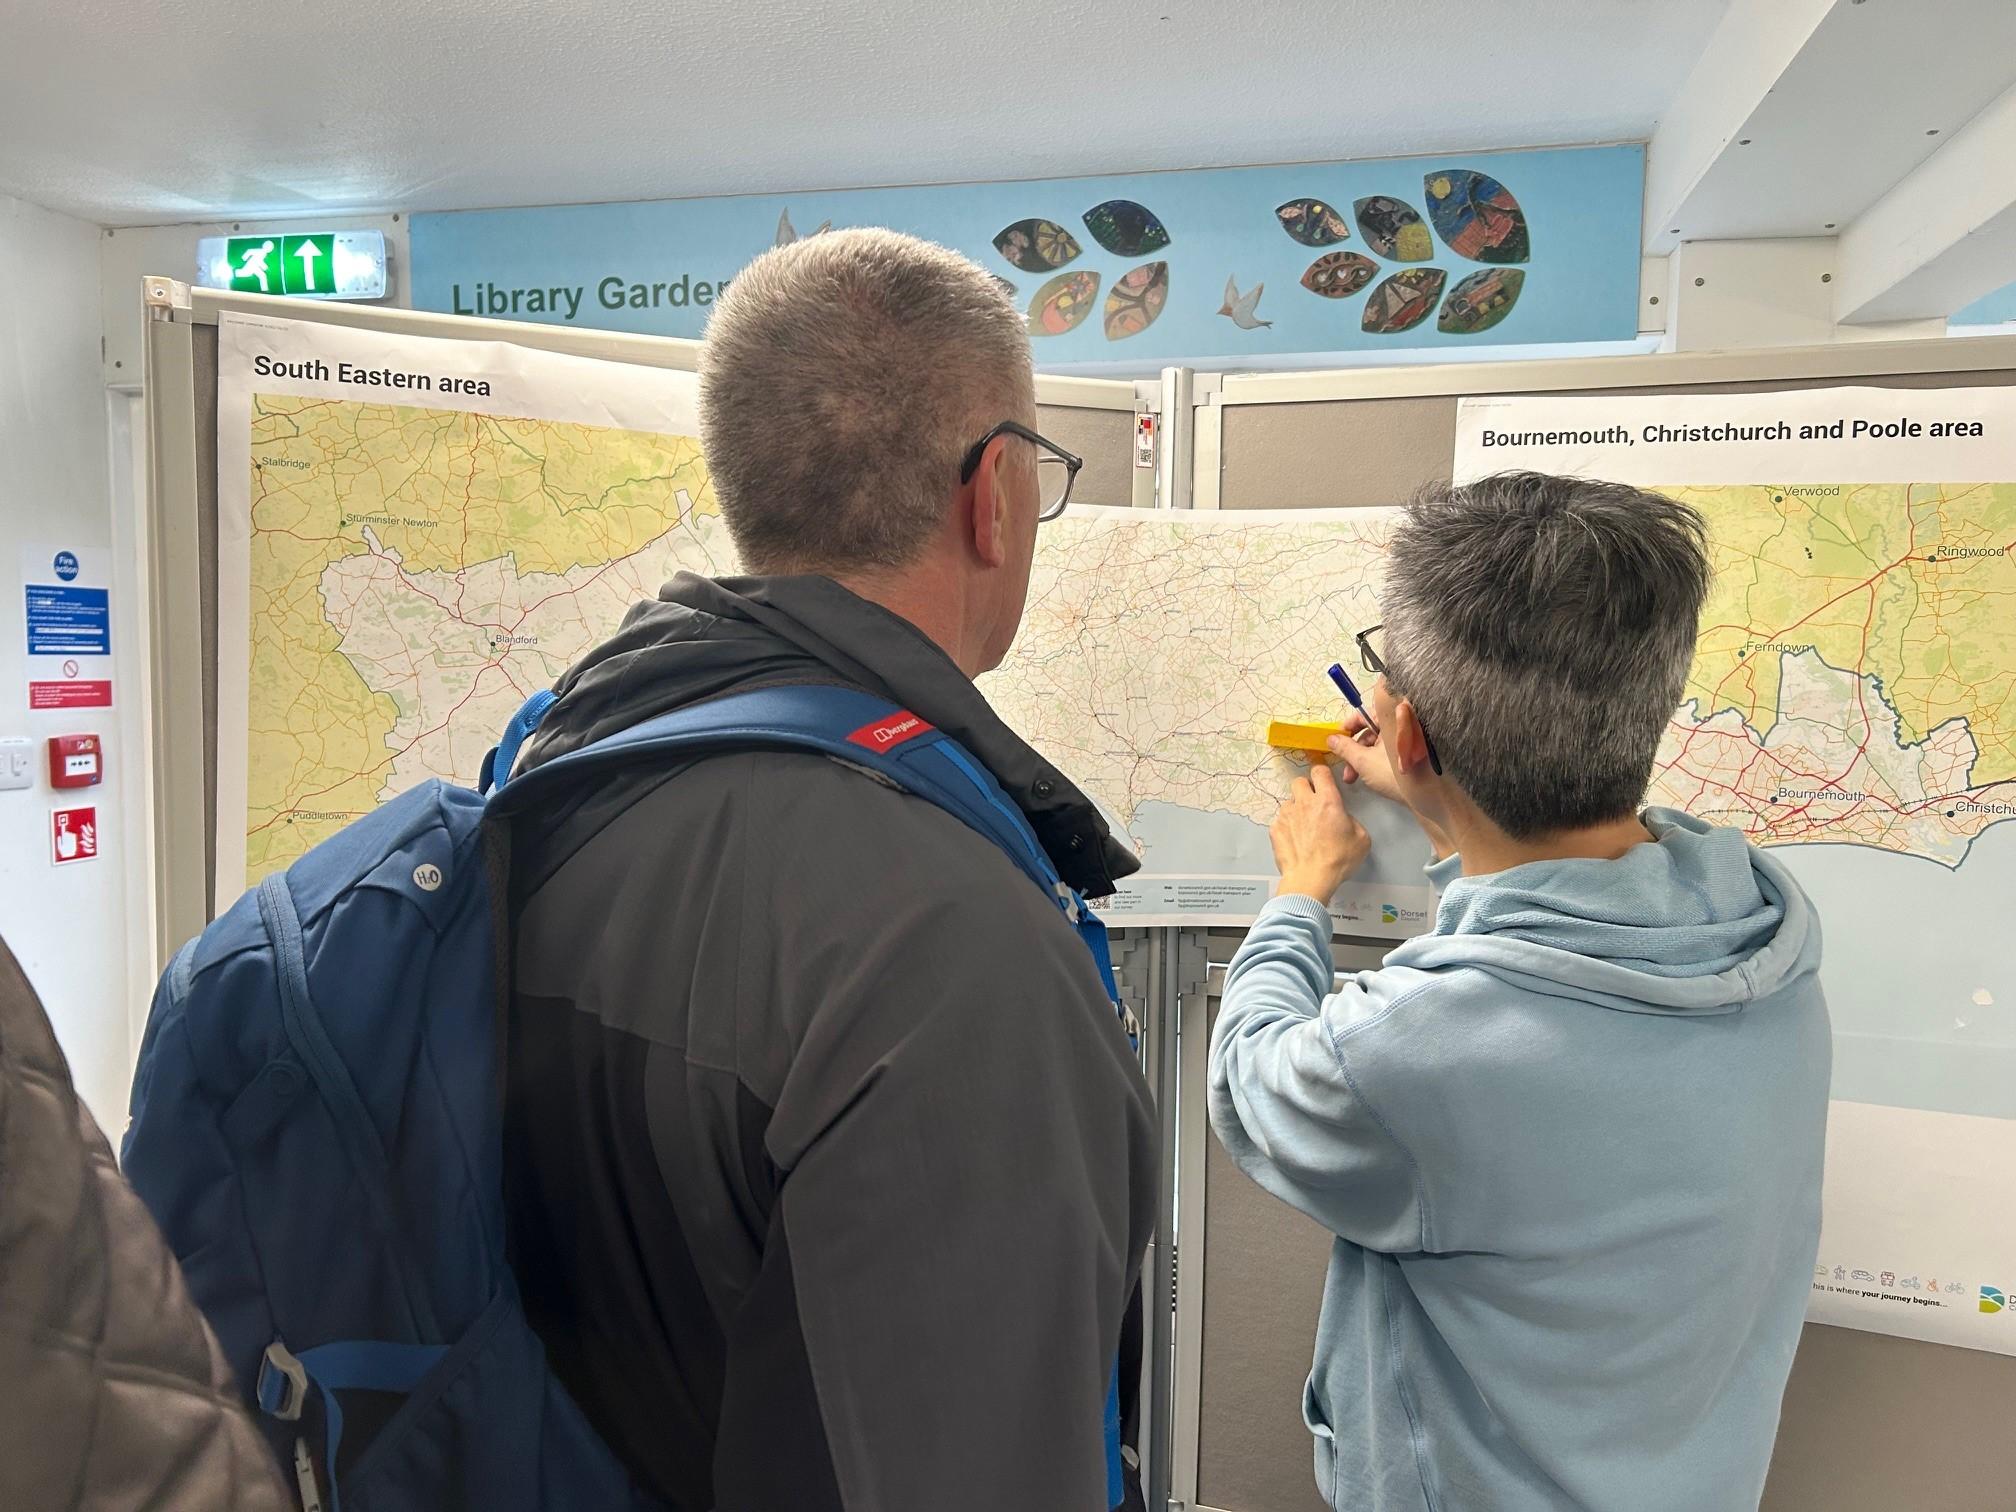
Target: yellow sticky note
(1287,736)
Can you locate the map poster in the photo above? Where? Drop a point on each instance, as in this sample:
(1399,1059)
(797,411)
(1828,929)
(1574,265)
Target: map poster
(1853,705)
(1156,645)
(413,535)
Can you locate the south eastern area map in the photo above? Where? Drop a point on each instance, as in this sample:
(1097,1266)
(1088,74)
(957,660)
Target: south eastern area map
(416,573)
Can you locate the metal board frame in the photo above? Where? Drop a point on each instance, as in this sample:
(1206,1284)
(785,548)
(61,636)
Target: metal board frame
(1210,395)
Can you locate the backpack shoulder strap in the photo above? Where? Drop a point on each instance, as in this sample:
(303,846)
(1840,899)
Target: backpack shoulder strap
(498,760)
(845,723)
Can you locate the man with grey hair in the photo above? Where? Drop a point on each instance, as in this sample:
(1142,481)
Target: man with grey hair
(829,1167)
(1569,1141)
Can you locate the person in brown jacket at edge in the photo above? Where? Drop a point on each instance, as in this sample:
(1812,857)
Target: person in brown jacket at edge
(116,1396)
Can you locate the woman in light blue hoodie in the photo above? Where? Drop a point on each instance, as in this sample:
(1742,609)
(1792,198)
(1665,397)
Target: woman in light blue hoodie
(1570,1140)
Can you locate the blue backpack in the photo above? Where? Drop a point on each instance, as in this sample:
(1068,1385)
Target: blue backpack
(317,1121)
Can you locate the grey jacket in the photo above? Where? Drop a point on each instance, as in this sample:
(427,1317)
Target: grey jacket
(829,1169)
(116,1396)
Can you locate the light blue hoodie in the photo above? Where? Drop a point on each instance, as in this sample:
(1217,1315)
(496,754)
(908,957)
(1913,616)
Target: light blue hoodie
(1570,1143)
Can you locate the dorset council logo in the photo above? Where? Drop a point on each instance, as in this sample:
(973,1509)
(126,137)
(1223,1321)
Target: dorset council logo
(1992,1300)
(66,565)
(1388,914)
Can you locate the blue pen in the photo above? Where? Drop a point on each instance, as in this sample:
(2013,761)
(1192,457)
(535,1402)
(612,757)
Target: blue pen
(1350,691)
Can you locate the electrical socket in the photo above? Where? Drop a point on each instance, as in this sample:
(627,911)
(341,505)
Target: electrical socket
(17,762)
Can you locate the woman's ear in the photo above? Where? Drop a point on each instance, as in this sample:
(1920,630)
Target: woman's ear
(1410,741)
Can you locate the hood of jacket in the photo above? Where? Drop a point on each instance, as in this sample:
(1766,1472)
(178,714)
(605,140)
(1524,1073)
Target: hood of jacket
(1698,923)
(703,637)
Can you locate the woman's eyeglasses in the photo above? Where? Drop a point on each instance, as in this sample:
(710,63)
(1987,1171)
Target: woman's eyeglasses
(1375,663)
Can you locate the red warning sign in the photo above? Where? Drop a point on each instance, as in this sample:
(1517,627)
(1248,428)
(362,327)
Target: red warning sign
(73,835)
(93,693)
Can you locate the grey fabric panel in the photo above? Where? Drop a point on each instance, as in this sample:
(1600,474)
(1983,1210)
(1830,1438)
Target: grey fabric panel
(1334,456)
(203,358)
(1873,1424)
(1262,1285)
(1349,952)
(1105,439)
(1345,454)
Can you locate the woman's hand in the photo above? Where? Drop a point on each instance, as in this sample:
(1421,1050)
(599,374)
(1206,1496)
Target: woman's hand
(1317,842)
(1364,758)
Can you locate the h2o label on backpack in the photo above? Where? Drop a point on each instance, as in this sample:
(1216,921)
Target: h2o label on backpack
(427,877)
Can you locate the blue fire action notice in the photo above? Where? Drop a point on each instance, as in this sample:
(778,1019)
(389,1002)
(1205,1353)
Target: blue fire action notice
(69,621)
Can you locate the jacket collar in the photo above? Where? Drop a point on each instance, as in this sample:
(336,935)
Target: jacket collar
(706,636)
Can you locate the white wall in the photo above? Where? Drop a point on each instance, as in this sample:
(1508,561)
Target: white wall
(68,925)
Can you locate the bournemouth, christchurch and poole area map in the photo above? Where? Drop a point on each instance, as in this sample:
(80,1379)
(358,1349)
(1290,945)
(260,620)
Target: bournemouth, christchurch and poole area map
(1852,707)
(1855,681)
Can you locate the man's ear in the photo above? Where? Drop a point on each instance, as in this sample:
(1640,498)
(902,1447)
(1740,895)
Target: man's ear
(984,502)
(1410,742)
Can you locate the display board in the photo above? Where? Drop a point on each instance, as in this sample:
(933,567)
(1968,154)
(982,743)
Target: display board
(415,535)
(1370,439)
(1852,706)
(535,380)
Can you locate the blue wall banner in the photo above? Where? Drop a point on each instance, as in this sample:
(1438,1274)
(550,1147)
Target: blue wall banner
(1456,250)
(1997,308)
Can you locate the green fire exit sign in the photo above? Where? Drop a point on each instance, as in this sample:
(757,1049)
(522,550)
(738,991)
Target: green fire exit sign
(318,265)
(281,264)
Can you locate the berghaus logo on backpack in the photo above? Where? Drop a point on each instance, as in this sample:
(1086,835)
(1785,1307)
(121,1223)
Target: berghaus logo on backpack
(887,734)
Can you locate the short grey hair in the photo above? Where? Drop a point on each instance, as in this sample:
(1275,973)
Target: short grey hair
(843,379)
(1543,628)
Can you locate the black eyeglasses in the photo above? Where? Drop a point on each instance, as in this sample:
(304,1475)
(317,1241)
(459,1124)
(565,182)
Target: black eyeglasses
(1056,468)
(1376,665)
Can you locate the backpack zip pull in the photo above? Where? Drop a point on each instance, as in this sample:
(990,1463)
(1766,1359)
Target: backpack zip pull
(304,1477)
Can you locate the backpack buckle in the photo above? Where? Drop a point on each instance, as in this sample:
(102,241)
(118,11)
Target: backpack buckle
(1067,899)
(283,1383)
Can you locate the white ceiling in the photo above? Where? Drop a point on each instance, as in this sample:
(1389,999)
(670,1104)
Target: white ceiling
(133,111)
(1871,93)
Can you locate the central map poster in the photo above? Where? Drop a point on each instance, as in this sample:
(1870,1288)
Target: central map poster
(1156,646)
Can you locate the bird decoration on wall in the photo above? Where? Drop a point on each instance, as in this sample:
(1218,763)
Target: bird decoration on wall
(1238,308)
(788,233)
